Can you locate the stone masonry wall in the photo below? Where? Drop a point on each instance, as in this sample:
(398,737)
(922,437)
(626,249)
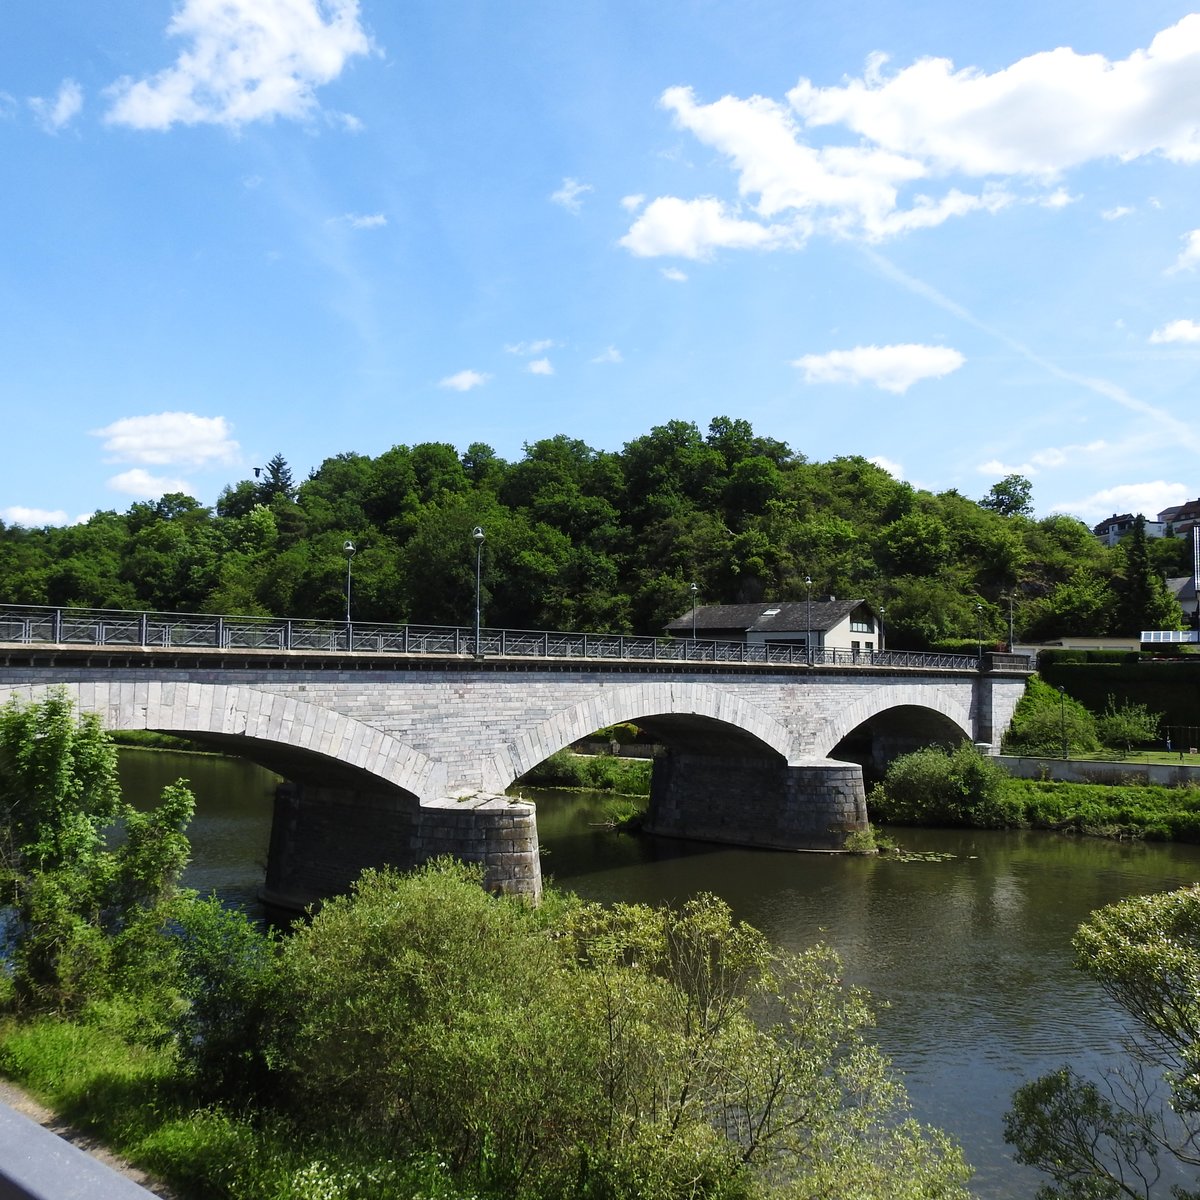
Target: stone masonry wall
(757,802)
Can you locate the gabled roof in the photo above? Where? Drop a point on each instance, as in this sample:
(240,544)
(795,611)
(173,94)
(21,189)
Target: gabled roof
(1187,511)
(1182,587)
(785,616)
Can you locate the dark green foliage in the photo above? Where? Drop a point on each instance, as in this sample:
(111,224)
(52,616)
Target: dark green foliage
(1011,497)
(228,983)
(1143,599)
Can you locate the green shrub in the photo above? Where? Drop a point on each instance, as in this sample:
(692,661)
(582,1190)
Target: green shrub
(1044,717)
(933,786)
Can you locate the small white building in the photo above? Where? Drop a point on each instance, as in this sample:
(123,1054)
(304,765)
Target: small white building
(832,624)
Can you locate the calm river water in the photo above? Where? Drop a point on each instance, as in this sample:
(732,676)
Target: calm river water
(968,959)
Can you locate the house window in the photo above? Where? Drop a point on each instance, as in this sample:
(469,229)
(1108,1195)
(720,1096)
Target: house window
(861,625)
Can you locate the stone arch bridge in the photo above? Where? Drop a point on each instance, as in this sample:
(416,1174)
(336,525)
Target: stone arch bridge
(398,759)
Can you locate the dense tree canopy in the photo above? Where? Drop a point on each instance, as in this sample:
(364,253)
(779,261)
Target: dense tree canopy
(589,539)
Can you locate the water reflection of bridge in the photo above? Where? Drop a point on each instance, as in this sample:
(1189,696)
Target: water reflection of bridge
(401,740)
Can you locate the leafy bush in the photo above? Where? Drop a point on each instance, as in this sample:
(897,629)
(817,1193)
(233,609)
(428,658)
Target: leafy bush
(933,786)
(605,1053)
(1044,717)
(1128,725)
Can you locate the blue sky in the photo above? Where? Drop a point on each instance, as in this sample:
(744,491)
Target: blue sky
(961,240)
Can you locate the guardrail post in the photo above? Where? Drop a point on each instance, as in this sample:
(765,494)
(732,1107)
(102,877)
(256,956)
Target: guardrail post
(143,622)
(287,635)
(457,640)
(219,633)
(56,629)
(405,639)
(585,652)
(545,645)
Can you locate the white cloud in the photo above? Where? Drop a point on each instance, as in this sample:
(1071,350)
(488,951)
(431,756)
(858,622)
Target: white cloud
(1147,498)
(33,518)
(695,228)
(569,195)
(138,482)
(1189,256)
(541,366)
(54,114)
(1045,460)
(244,61)
(464,381)
(524,349)
(674,274)
(892,368)
(841,160)
(633,203)
(8,106)
(1117,212)
(1059,198)
(611,355)
(169,437)
(361,220)
(894,469)
(1183,330)
(1039,117)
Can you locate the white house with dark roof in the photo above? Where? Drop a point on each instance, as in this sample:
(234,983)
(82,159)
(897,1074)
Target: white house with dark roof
(834,624)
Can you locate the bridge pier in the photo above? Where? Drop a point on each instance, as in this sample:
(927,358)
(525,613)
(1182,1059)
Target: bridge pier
(323,838)
(757,802)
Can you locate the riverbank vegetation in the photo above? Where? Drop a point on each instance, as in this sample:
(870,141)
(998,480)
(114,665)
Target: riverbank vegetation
(961,787)
(420,1037)
(1121,1135)
(595,772)
(586,539)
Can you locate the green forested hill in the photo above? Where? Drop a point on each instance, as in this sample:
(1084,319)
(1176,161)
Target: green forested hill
(585,539)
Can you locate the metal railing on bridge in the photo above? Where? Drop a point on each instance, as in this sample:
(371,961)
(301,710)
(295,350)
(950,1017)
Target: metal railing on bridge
(29,625)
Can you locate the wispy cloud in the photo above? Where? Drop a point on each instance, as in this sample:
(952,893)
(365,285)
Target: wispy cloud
(360,220)
(892,368)
(524,349)
(1117,212)
(464,381)
(541,366)
(1048,459)
(570,195)
(56,114)
(244,61)
(169,437)
(611,355)
(1167,422)
(674,274)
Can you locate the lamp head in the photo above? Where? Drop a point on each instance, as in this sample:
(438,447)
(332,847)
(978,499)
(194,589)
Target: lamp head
(477,533)
(347,548)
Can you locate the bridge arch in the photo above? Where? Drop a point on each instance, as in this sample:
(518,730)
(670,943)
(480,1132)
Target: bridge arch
(255,724)
(877,702)
(636,702)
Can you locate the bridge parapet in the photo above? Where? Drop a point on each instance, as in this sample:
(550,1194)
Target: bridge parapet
(113,629)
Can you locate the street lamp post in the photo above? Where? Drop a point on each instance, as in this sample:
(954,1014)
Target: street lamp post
(979,630)
(477,534)
(882,610)
(1062,720)
(1011,643)
(348,551)
(694,591)
(808,620)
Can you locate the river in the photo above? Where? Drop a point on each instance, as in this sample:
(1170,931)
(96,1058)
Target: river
(968,958)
